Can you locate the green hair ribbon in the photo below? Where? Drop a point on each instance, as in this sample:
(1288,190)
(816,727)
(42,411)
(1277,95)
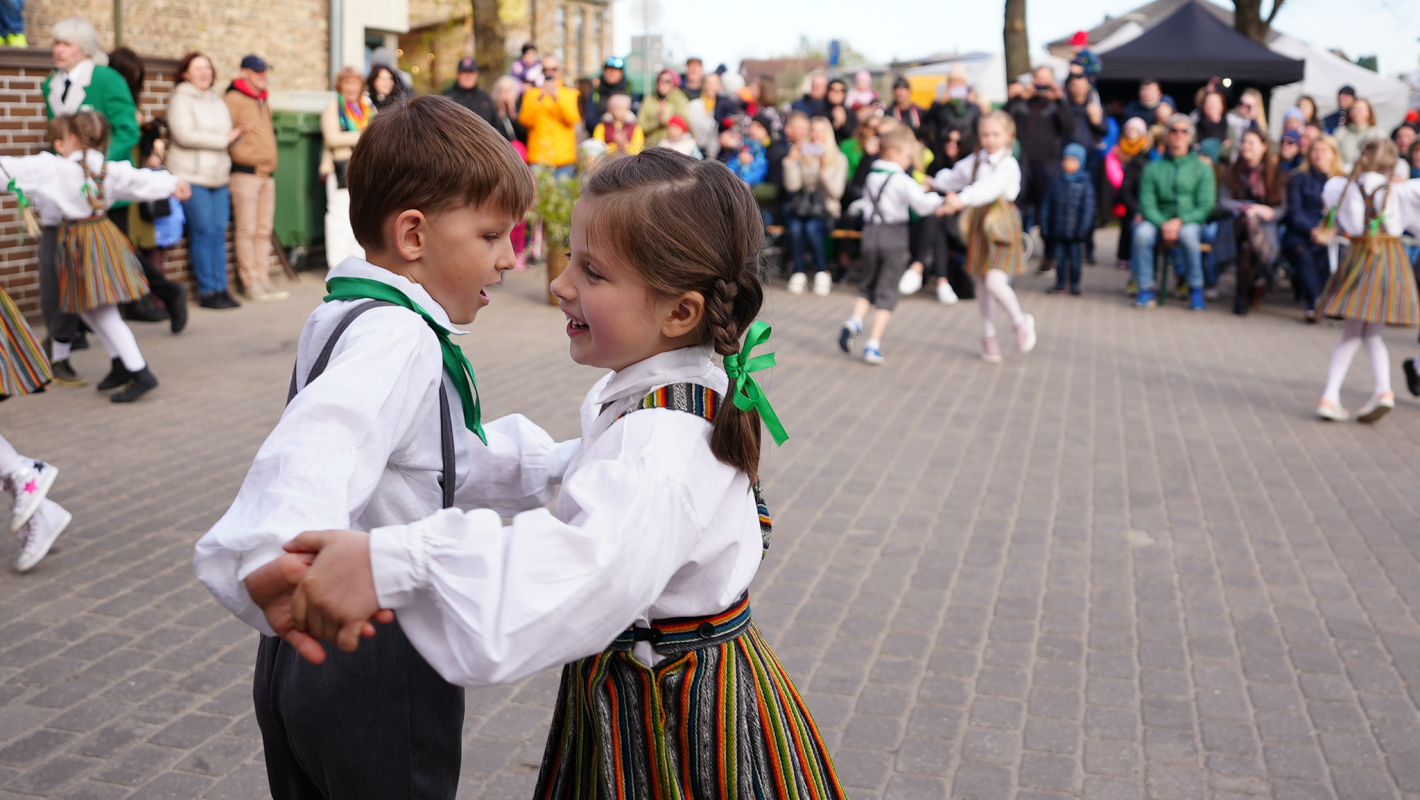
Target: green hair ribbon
(744,390)
(23,203)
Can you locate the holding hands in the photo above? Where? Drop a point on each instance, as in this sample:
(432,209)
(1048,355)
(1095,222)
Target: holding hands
(322,589)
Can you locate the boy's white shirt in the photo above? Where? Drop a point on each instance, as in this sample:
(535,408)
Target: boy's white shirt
(1402,203)
(55,184)
(897,198)
(360,447)
(648,525)
(999,177)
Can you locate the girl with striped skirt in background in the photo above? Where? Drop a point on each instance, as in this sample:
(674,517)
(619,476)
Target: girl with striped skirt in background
(34,518)
(638,583)
(987,182)
(98,268)
(1374,285)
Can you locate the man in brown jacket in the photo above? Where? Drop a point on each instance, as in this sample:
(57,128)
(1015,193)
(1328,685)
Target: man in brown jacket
(253,189)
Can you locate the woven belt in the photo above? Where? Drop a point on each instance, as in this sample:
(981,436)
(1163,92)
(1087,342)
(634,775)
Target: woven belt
(683,634)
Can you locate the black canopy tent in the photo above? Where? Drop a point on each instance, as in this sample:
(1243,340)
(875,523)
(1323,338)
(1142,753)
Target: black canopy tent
(1191,46)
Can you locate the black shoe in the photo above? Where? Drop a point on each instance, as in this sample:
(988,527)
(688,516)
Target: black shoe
(1310,317)
(64,375)
(1412,376)
(1058,288)
(176,301)
(117,376)
(81,342)
(139,384)
(1075,290)
(145,309)
(217,300)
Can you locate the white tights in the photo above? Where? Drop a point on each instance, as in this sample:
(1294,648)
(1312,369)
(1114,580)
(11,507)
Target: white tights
(997,289)
(9,459)
(1357,333)
(118,339)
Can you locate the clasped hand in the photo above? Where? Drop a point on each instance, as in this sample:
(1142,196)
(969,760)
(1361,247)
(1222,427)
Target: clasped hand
(321,589)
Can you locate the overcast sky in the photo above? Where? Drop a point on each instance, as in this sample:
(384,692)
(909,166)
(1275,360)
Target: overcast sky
(730,30)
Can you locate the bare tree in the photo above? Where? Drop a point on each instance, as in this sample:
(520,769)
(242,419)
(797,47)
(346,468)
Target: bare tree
(490,44)
(1248,20)
(1017,42)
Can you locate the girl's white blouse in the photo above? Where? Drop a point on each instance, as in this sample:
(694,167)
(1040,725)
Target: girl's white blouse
(1402,203)
(999,176)
(59,182)
(649,525)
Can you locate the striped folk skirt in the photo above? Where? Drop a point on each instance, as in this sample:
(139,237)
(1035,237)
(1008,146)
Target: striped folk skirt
(1375,283)
(24,369)
(719,718)
(97,266)
(993,239)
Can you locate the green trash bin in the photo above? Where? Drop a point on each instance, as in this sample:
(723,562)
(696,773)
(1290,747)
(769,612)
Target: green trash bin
(300,193)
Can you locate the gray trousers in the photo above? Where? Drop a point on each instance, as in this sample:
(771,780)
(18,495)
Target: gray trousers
(886,254)
(62,327)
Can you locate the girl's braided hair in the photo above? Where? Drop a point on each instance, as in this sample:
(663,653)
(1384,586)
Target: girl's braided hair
(692,226)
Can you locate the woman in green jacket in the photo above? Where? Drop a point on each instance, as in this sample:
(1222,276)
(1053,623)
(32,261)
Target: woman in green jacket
(666,101)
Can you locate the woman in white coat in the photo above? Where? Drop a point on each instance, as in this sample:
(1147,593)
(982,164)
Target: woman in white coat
(200,129)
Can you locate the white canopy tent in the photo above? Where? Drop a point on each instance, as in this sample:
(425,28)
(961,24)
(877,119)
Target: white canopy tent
(985,73)
(1326,73)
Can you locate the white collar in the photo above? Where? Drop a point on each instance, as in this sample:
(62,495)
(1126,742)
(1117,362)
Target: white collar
(695,364)
(995,158)
(883,165)
(82,73)
(353,267)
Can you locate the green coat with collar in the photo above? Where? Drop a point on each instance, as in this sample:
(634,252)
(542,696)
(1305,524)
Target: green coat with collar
(1182,187)
(108,94)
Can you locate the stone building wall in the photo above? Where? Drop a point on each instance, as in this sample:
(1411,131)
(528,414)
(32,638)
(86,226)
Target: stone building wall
(291,35)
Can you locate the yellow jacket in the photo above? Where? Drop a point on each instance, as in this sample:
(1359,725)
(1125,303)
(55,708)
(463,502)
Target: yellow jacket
(551,123)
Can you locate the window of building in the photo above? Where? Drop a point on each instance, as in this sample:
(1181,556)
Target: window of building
(559,27)
(580,42)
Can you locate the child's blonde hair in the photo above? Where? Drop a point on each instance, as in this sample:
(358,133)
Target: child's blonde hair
(900,139)
(1006,121)
(89,127)
(691,226)
(1377,155)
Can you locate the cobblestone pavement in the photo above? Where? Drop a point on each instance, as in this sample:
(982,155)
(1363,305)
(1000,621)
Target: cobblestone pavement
(1128,565)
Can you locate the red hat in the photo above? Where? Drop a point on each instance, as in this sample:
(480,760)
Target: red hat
(1080,39)
(678,120)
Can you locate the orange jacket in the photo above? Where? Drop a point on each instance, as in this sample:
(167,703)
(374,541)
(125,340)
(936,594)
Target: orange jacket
(551,124)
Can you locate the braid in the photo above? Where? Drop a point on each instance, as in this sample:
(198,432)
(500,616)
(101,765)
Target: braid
(720,312)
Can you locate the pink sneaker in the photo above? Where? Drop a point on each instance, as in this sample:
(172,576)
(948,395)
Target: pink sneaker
(991,350)
(1025,334)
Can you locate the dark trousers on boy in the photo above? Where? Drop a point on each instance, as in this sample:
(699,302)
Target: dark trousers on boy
(1067,254)
(375,724)
(887,251)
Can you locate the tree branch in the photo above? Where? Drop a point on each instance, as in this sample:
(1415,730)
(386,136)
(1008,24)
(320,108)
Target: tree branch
(1276,6)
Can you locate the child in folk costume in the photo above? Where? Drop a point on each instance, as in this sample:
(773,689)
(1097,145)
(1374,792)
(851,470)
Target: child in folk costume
(383,427)
(1374,285)
(98,268)
(988,182)
(640,577)
(890,195)
(24,369)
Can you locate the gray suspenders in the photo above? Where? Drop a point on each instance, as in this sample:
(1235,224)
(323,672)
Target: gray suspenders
(446,428)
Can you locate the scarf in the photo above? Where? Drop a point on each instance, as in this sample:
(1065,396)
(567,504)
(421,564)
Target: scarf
(455,362)
(354,116)
(1130,149)
(242,86)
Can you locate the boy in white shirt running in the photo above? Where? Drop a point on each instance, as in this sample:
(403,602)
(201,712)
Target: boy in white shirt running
(382,427)
(888,195)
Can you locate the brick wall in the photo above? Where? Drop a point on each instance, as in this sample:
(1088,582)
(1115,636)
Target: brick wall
(22,126)
(291,34)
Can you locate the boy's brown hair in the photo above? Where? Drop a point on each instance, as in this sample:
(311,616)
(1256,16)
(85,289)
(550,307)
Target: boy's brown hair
(89,127)
(899,139)
(433,155)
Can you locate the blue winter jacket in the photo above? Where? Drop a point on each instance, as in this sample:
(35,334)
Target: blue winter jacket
(1304,206)
(1068,213)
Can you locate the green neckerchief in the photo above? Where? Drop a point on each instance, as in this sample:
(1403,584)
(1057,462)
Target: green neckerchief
(455,362)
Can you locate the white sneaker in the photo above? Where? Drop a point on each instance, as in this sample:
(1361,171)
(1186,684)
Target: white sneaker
(1025,334)
(1332,412)
(797,282)
(848,336)
(945,295)
(823,283)
(29,485)
(872,356)
(1378,407)
(911,282)
(38,535)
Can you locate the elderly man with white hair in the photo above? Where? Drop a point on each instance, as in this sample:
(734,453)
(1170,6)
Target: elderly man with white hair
(82,78)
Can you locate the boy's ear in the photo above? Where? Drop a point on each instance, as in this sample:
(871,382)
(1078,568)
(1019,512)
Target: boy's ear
(408,233)
(685,315)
